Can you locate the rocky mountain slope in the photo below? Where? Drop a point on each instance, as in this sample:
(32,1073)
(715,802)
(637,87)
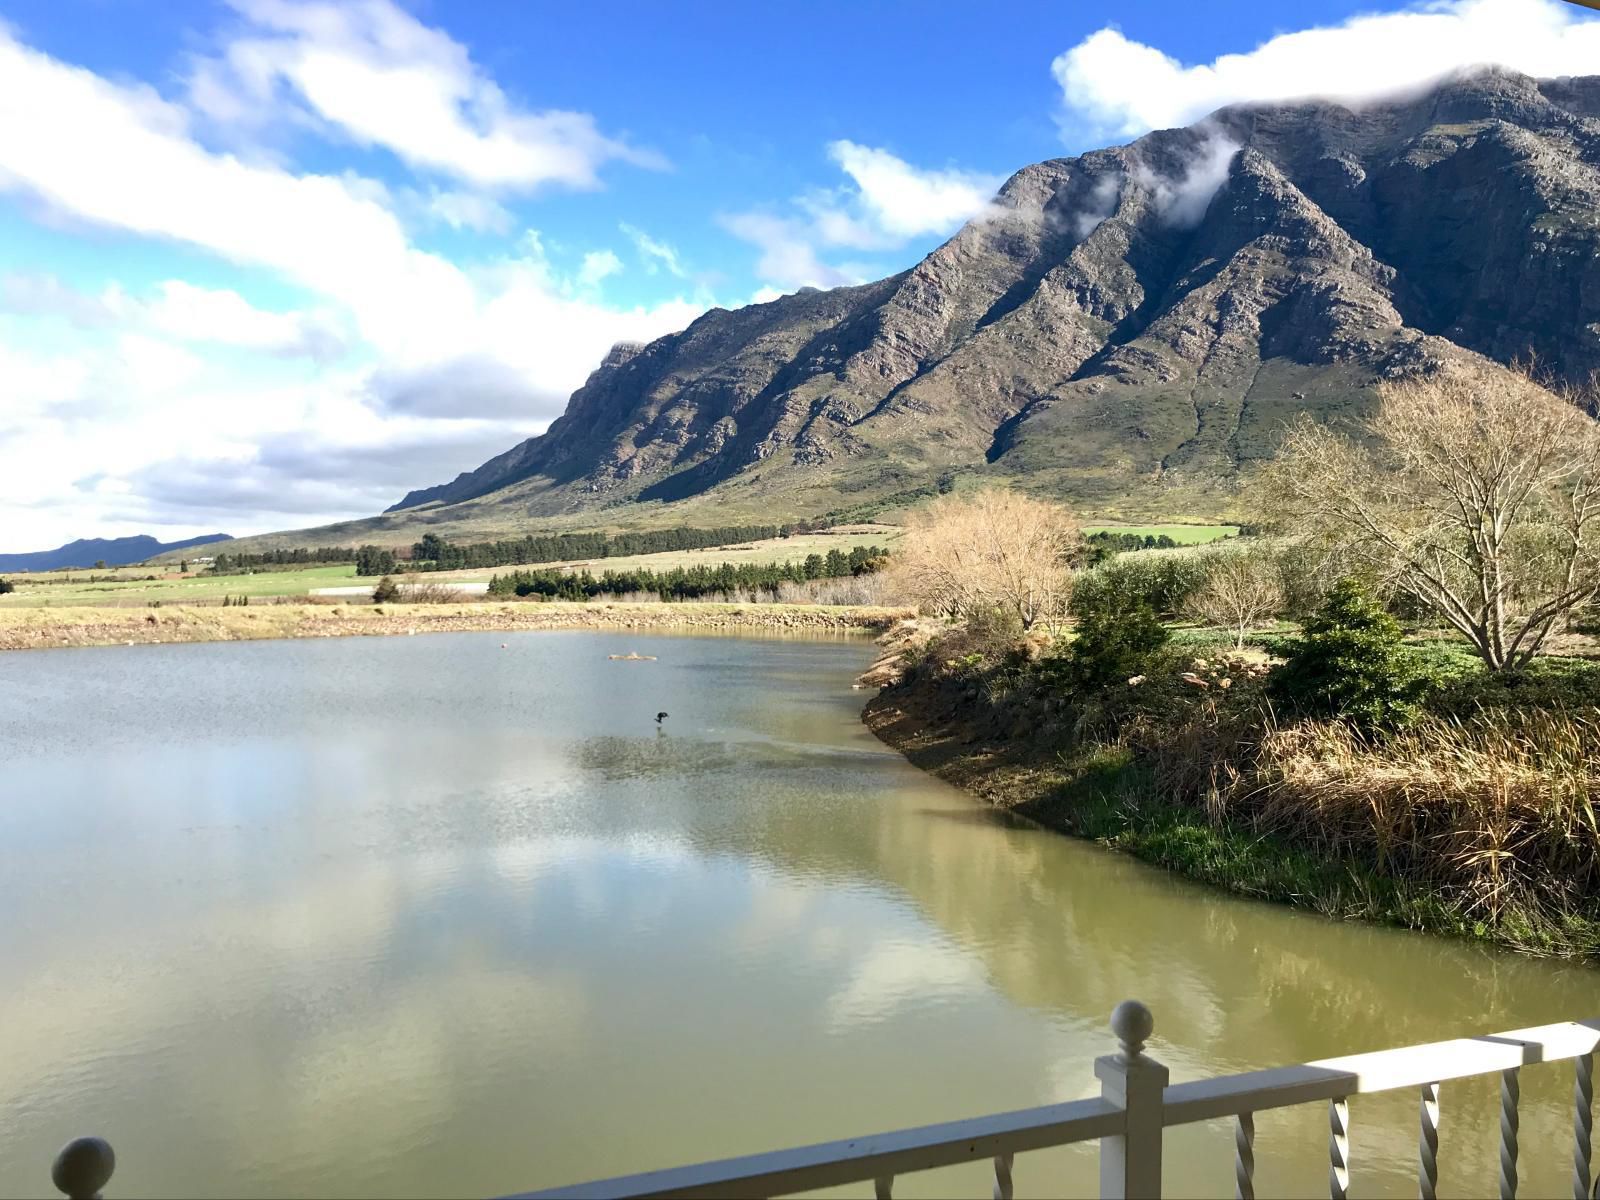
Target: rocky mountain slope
(1128,329)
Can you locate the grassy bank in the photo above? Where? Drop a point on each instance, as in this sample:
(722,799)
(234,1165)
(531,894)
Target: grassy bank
(1477,821)
(45,628)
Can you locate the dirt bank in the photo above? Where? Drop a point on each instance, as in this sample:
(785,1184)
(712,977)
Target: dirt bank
(43,628)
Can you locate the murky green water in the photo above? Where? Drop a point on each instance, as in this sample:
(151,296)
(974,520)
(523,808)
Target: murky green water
(432,917)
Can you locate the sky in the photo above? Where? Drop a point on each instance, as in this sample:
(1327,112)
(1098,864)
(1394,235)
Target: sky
(267,264)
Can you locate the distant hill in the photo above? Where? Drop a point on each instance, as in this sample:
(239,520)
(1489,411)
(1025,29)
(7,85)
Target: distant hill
(114,552)
(1128,329)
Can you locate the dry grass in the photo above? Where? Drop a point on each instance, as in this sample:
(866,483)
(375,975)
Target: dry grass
(1493,815)
(1498,811)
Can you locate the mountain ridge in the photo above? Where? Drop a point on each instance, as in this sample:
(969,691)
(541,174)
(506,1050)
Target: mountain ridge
(1127,328)
(114,552)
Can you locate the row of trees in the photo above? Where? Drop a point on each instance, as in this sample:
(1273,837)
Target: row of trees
(232,564)
(688,583)
(375,560)
(435,554)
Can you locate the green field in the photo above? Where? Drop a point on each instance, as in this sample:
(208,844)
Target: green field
(1184,535)
(65,589)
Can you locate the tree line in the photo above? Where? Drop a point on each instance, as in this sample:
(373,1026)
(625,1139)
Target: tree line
(689,583)
(232,564)
(433,553)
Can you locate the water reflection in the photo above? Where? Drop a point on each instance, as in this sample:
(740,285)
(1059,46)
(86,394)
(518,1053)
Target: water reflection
(425,917)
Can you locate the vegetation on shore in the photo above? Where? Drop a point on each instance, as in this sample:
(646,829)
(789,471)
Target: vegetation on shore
(1474,815)
(1442,780)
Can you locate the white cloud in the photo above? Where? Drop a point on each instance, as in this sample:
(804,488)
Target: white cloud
(1113,86)
(378,75)
(597,265)
(903,201)
(180,311)
(1182,201)
(469,210)
(656,255)
(1102,203)
(886,203)
(788,251)
(79,147)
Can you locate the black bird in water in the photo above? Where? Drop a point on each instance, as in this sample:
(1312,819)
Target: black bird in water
(660,717)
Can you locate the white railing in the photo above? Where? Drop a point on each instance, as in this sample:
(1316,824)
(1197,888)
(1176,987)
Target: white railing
(1135,1106)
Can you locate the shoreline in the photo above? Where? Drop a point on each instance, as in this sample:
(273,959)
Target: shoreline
(53,628)
(938,731)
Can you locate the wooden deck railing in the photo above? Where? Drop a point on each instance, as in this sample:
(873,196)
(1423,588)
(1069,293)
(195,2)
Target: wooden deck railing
(1136,1104)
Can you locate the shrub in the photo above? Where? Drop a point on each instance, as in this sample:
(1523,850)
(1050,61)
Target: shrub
(6,586)
(387,591)
(1163,580)
(427,591)
(1352,664)
(1547,685)
(1116,637)
(965,554)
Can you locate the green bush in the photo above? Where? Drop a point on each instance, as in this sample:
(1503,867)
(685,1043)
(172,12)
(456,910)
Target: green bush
(1352,664)
(6,586)
(1548,684)
(387,591)
(986,639)
(1162,580)
(1117,635)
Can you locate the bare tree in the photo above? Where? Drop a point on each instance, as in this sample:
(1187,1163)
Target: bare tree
(1242,592)
(985,551)
(1476,490)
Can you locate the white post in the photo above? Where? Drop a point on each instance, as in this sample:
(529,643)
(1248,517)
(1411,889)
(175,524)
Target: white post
(1130,1164)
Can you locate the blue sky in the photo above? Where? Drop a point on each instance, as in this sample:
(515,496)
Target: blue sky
(269,263)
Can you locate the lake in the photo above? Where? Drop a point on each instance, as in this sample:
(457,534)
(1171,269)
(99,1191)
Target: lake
(429,916)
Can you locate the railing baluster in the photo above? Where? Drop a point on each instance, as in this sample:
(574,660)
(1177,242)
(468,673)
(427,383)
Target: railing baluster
(883,1188)
(1130,1163)
(1510,1120)
(1582,1125)
(1428,1143)
(1244,1158)
(1003,1189)
(1338,1148)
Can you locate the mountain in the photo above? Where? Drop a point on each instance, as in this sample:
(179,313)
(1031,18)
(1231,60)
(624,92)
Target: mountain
(1128,329)
(114,552)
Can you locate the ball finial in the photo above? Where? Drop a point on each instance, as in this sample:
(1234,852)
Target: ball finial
(1132,1023)
(83,1167)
